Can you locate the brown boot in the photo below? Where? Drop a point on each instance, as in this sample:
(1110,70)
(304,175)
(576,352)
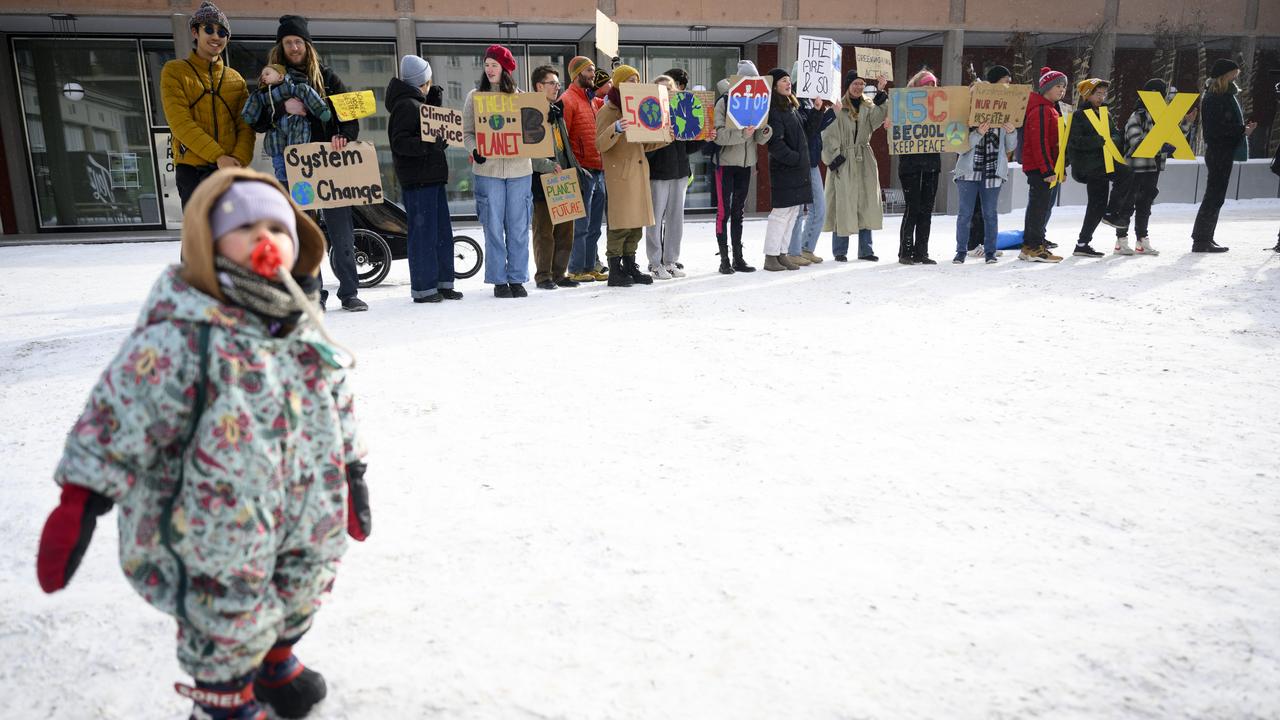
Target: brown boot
(785,261)
(771,263)
(798,260)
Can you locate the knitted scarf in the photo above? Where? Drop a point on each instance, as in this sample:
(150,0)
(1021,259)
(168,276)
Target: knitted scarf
(987,155)
(262,297)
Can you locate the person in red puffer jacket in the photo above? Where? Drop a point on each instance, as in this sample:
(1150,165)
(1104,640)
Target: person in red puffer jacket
(1040,148)
(580,121)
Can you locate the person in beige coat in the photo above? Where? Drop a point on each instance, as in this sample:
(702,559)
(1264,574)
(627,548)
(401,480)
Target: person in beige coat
(626,181)
(853,179)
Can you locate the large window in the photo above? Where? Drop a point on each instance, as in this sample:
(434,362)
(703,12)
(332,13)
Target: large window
(85,109)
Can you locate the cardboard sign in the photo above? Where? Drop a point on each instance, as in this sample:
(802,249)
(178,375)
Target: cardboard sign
(872,63)
(928,120)
(512,125)
(606,35)
(354,105)
(693,114)
(747,104)
(819,69)
(322,177)
(648,108)
(998,104)
(441,124)
(564,196)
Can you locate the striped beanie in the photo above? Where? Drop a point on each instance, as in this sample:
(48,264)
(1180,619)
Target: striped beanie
(577,65)
(1050,78)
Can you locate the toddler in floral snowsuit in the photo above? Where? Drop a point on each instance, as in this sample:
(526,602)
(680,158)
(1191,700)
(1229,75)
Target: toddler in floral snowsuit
(224,430)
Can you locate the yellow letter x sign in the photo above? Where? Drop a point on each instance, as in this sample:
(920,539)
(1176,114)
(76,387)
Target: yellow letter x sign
(1102,125)
(1166,129)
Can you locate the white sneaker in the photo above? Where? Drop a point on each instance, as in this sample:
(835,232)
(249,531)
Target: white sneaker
(674,271)
(660,273)
(1144,247)
(977,252)
(1122,246)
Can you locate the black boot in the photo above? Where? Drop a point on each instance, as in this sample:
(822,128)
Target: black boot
(906,253)
(637,276)
(618,277)
(740,265)
(295,698)
(725,267)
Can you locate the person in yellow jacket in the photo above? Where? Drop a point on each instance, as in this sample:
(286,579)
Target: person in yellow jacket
(202,100)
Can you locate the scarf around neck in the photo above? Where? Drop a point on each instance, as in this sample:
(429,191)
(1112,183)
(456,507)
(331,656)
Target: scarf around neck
(265,298)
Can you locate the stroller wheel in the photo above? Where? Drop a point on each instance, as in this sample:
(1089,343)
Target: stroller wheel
(373,258)
(467,256)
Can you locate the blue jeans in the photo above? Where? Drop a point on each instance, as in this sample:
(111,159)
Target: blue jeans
(804,236)
(586,230)
(277,165)
(968,191)
(430,240)
(505,209)
(840,244)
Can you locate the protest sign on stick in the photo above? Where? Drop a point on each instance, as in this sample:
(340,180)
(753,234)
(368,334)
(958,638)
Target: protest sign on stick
(321,177)
(747,104)
(511,125)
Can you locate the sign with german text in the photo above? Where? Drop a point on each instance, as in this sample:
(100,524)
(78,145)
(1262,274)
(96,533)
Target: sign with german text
(997,104)
(512,125)
(647,108)
(747,104)
(564,196)
(321,176)
(441,124)
(819,69)
(872,63)
(928,120)
(354,105)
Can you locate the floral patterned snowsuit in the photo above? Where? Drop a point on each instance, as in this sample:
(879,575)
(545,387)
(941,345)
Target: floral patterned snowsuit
(225,450)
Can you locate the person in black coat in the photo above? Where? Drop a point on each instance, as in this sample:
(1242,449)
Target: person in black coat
(816,115)
(669,172)
(919,176)
(788,172)
(423,172)
(293,50)
(1225,133)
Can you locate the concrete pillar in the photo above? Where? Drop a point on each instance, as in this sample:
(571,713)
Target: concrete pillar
(406,37)
(788,45)
(1104,51)
(952,74)
(182,44)
(15,157)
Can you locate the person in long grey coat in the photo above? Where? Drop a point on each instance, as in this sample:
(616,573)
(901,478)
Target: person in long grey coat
(852,190)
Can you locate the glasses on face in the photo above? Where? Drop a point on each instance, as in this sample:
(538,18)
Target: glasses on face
(556,83)
(211,29)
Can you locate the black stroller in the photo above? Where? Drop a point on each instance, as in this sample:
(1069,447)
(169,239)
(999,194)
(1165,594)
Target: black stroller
(381,235)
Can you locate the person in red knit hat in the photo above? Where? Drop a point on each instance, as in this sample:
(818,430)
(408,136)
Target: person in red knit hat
(1040,148)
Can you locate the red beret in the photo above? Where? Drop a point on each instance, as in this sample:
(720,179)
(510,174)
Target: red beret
(503,57)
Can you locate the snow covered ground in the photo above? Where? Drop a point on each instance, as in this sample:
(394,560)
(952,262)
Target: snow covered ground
(850,491)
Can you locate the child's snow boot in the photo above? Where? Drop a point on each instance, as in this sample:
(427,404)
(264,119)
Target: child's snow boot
(288,687)
(223,701)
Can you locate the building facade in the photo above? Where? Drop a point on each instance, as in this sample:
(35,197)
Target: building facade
(86,145)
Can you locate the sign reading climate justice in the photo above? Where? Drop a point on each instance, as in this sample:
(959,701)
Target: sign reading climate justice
(512,125)
(441,124)
(928,120)
(321,177)
(648,108)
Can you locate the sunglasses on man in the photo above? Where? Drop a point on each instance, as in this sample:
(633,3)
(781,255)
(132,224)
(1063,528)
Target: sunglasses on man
(211,29)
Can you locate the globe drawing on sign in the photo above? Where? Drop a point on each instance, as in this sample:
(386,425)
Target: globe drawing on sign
(497,121)
(303,193)
(687,116)
(957,134)
(650,113)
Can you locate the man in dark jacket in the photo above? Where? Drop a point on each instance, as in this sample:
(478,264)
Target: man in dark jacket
(294,50)
(423,172)
(1225,133)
